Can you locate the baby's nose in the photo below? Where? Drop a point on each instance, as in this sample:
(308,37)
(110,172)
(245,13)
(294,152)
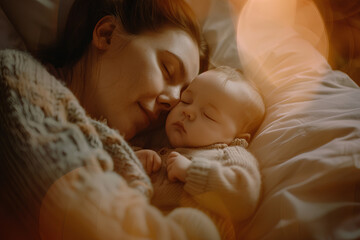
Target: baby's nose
(189,115)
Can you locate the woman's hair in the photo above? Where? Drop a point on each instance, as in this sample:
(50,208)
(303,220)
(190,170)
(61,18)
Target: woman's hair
(135,16)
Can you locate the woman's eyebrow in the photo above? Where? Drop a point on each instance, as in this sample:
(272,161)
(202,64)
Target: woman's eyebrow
(180,62)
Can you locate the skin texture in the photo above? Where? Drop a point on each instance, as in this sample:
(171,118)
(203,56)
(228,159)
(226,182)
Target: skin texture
(137,79)
(211,110)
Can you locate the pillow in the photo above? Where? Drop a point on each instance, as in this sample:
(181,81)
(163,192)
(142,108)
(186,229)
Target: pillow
(9,36)
(308,145)
(218,29)
(42,24)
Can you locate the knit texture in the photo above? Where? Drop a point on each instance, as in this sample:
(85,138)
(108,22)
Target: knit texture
(223,181)
(62,172)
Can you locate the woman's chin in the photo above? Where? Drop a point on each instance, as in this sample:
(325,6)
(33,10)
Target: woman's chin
(128,133)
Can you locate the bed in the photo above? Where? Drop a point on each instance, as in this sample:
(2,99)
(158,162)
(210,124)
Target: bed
(308,145)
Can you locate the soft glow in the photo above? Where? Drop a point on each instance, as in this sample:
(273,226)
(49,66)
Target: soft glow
(267,29)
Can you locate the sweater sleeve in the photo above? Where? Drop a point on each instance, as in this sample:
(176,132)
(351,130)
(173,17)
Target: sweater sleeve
(229,187)
(42,136)
(125,162)
(56,178)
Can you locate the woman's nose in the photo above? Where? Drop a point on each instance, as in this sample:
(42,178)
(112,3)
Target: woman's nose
(169,98)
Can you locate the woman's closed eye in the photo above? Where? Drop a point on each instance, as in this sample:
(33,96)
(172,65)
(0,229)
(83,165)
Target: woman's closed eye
(168,70)
(184,102)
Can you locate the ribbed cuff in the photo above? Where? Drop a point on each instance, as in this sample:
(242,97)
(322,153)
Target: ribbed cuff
(197,176)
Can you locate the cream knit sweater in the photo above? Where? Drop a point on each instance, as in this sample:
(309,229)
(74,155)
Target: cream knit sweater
(223,181)
(66,176)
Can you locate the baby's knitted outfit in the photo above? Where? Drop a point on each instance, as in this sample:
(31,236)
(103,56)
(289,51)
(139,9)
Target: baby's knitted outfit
(223,181)
(59,167)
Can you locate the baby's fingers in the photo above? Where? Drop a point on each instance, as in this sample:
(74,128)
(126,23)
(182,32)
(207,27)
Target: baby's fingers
(171,176)
(173,154)
(170,173)
(172,157)
(156,163)
(149,165)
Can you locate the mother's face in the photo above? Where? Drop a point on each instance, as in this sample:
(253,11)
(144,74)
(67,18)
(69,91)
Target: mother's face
(136,83)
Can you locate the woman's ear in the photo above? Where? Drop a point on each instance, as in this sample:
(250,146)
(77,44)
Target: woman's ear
(103,32)
(245,136)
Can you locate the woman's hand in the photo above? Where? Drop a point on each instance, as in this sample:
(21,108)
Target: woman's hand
(177,166)
(150,160)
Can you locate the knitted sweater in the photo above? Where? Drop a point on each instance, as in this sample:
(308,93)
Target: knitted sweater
(64,175)
(223,181)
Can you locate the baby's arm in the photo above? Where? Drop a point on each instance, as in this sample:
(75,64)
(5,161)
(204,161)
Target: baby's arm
(229,187)
(150,160)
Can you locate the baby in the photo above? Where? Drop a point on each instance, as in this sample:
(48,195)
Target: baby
(208,166)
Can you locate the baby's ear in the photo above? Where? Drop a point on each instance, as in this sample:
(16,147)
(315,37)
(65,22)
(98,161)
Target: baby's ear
(103,32)
(245,136)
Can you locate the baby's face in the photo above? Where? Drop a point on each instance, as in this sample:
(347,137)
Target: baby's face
(209,112)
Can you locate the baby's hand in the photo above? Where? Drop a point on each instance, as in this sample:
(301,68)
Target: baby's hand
(177,165)
(150,160)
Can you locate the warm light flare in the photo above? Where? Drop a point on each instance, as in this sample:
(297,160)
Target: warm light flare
(268,29)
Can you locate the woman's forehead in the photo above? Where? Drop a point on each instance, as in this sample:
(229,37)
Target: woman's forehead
(177,42)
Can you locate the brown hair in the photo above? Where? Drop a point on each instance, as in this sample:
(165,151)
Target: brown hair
(135,16)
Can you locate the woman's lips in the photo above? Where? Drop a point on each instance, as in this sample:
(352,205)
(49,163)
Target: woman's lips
(180,126)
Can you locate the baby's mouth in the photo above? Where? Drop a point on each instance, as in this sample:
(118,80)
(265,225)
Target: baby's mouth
(180,126)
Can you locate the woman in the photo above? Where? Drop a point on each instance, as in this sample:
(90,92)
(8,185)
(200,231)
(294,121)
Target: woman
(150,49)
(125,61)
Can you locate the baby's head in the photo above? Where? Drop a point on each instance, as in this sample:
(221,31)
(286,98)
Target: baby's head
(217,107)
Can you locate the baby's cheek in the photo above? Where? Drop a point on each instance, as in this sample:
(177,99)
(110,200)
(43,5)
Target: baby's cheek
(199,132)
(175,138)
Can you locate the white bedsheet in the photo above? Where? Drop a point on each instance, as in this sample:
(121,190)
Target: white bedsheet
(308,146)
